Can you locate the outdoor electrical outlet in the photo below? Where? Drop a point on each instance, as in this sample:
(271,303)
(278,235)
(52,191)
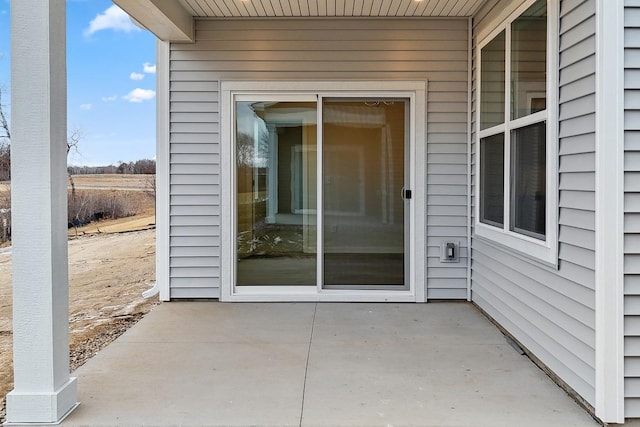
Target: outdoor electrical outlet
(450,252)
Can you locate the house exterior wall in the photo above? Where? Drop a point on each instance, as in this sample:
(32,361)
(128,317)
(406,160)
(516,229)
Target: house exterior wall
(632,208)
(313,49)
(550,310)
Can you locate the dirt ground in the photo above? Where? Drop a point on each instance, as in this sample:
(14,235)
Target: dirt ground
(110,264)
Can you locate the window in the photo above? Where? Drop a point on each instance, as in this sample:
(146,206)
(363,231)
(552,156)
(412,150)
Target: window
(516,132)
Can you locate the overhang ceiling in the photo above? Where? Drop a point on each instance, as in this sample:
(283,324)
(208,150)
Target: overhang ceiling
(172,20)
(330,8)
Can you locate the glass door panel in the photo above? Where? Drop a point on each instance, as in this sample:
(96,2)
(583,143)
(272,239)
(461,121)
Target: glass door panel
(363,169)
(276,193)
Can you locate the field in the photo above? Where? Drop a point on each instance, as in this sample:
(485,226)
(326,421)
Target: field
(111,262)
(114,182)
(107,182)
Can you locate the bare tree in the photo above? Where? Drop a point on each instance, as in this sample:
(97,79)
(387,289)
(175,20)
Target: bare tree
(245,150)
(150,185)
(5,144)
(75,206)
(5,174)
(73,139)
(4,124)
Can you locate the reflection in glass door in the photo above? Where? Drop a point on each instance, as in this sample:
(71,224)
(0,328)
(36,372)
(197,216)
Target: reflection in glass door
(363,177)
(276,193)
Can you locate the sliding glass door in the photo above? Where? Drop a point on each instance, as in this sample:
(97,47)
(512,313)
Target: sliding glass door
(363,175)
(321,192)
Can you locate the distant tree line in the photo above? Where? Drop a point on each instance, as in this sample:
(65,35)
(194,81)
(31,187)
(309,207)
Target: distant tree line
(144,166)
(139,167)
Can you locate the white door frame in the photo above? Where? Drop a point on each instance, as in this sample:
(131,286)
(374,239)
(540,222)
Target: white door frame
(416,92)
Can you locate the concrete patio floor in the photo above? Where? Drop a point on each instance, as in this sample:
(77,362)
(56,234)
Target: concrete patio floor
(306,364)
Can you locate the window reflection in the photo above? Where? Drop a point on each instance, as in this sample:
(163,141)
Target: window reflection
(276,193)
(492,180)
(529,61)
(528,153)
(363,175)
(492,81)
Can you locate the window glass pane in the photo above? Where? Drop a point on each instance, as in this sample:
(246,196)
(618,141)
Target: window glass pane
(276,193)
(528,184)
(492,180)
(529,61)
(492,80)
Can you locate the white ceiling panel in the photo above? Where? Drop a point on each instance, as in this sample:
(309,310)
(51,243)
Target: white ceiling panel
(330,8)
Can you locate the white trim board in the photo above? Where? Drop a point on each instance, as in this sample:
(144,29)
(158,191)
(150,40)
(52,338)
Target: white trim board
(414,90)
(162,173)
(609,293)
(469,155)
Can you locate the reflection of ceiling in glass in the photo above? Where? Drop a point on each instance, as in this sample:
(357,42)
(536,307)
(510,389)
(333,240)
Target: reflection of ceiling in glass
(371,113)
(352,115)
(285,113)
(538,9)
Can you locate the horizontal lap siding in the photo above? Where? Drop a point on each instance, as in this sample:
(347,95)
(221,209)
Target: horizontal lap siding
(194,187)
(552,312)
(314,49)
(632,208)
(447,182)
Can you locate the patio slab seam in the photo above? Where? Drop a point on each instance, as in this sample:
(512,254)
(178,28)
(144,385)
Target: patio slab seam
(306,367)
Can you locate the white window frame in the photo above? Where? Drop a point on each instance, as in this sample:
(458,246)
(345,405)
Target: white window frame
(545,250)
(416,91)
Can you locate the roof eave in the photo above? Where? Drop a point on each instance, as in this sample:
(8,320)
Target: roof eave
(166,19)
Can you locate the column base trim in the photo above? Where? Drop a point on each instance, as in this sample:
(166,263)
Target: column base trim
(42,408)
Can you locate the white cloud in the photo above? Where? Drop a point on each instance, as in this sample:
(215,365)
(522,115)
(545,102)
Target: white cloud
(114,19)
(139,95)
(109,98)
(149,68)
(136,76)
(86,107)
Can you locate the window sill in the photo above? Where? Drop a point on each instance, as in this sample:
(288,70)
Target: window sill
(529,248)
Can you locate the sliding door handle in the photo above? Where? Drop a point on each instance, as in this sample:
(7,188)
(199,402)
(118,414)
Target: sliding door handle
(405,194)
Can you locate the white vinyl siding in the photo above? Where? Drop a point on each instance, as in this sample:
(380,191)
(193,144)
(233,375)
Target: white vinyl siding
(194,186)
(632,208)
(313,49)
(551,311)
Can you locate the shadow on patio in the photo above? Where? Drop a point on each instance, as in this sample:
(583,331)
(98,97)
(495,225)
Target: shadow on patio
(241,364)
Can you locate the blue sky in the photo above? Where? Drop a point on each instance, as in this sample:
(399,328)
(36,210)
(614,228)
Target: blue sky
(110,82)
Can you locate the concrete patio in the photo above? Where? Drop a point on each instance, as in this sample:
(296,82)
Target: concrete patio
(306,364)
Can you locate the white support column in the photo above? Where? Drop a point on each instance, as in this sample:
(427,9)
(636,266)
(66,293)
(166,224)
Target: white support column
(272,177)
(609,293)
(43,392)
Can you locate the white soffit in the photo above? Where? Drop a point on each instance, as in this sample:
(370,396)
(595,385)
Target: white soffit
(330,8)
